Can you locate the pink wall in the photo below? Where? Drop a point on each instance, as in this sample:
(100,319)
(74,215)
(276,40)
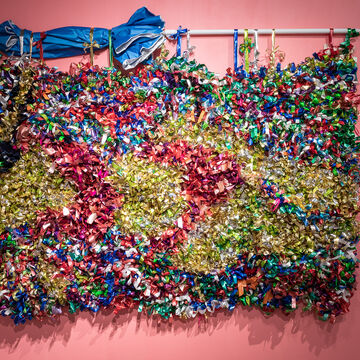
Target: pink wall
(245,333)
(215,51)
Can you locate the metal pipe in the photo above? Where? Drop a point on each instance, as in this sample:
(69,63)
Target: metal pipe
(263,31)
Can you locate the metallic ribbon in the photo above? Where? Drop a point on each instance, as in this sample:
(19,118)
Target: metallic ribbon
(235,50)
(110,50)
(21,42)
(38,44)
(31,45)
(177,37)
(91,46)
(189,48)
(256,51)
(12,40)
(331,34)
(272,55)
(246,52)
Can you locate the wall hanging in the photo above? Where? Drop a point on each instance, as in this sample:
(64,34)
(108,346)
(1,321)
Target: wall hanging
(170,189)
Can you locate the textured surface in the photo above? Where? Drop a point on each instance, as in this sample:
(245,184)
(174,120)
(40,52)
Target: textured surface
(190,193)
(301,336)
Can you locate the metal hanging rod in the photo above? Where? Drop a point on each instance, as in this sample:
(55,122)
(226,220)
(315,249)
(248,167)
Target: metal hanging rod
(262,31)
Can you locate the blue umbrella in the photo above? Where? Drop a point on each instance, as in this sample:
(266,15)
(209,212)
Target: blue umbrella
(135,41)
(61,42)
(132,43)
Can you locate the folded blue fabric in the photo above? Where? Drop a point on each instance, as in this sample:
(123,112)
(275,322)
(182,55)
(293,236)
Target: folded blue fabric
(136,40)
(132,43)
(61,42)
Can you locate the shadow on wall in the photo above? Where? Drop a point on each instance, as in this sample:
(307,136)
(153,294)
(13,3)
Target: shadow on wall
(269,331)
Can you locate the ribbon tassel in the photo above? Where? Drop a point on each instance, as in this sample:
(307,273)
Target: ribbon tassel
(236,50)
(246,34)
(39,45)
(331,34)
(189,48)
(91,45)
(177,37)
(110,50)
(31,45)
(256,51)
(245,49)
(22,42)
(272,55)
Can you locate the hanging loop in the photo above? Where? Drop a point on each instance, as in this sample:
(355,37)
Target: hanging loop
(21,42)
(331,34)
(273,40)
(272,54)
(91,45)
(31,45)
(177,37)
(189,48)
(246,50)
(39,45)
(256,50)
(110,50)
(236,50)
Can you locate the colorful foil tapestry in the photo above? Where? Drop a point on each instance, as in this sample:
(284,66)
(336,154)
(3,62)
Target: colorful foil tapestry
(176,192)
